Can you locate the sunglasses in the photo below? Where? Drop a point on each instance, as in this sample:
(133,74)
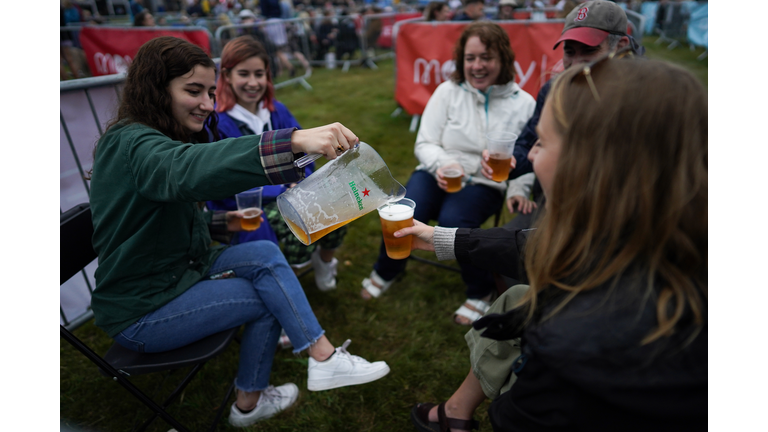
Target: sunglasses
(586,71)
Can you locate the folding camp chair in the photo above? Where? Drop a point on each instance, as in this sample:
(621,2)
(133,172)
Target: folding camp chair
(120,363)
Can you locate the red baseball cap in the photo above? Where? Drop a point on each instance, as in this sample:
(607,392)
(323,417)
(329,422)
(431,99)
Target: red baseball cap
(592,22)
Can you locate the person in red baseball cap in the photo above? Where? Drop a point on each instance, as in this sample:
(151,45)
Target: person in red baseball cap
(592,22)
(592,30)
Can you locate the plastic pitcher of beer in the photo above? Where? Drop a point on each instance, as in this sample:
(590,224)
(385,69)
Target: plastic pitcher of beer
(342,190)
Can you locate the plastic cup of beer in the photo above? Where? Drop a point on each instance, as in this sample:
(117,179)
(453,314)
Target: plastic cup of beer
(500,148)
(453,176)
(249,203)
(396,216)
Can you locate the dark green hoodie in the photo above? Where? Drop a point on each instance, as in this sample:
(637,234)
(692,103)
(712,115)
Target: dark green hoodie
(149,231)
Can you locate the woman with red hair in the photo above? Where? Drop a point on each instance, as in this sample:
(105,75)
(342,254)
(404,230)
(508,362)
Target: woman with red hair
(246,105)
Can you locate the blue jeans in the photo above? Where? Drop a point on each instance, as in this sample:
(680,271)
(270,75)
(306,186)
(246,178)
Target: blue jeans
(265,296)
(468,208)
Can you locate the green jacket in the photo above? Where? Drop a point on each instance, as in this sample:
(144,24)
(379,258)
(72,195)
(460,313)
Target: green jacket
(150,234)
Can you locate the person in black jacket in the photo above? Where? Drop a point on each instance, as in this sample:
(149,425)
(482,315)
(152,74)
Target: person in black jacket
(347,41)
(612,331)
(326,34)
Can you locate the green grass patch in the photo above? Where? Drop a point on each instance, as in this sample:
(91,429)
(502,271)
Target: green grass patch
(410,326)
(681,55)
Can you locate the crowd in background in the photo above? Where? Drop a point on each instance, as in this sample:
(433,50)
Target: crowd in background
(331,27)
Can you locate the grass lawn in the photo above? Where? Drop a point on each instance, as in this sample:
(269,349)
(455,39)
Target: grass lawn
(410,326)
(681,55)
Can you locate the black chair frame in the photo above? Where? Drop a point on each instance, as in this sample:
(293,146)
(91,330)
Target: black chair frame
(120,363)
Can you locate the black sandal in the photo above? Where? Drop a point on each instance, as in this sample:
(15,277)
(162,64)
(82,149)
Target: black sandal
(420,419)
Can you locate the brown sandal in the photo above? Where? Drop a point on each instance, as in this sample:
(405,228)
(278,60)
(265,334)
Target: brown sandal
(420,419)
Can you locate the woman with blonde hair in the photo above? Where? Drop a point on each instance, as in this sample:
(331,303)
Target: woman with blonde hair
(612,332)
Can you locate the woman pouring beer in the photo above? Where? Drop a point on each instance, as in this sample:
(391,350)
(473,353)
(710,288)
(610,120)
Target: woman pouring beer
(160,284)
(480,97)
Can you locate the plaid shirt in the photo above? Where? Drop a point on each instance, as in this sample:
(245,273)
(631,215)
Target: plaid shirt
(277,157)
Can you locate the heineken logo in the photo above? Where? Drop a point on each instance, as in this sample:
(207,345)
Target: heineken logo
(357,193)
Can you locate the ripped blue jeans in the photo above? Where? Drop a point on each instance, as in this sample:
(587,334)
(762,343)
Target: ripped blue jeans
(265,296)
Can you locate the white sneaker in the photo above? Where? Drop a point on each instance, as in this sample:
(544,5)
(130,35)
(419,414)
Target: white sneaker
(343,369)
(325,272)
(272,401)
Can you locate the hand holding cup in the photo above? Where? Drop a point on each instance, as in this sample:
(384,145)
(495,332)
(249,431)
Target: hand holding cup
(500,149)
(234,218)
(486,169)
(423,236)
(394,216)
(249,205)
(450,176)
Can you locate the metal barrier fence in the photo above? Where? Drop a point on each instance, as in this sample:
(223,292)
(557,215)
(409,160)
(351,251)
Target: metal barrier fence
(86,105)
(178,20)
(283,40)
(372,28)
(356,39)
(637,23)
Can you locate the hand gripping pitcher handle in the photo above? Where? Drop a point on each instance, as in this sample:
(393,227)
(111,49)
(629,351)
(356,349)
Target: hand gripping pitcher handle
(308,159)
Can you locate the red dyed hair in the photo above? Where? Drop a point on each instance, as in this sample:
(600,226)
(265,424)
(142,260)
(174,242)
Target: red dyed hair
(235,51)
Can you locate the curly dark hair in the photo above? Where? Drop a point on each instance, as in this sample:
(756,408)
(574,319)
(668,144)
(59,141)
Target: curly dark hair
(146,98)
(496,40)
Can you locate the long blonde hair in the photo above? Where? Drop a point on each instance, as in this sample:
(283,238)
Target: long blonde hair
(630,188)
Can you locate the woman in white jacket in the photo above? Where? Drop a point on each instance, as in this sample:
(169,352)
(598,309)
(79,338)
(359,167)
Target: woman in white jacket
(480,97)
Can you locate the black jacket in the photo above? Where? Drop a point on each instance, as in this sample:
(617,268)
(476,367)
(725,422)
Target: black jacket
(497,250)
(584,369)
(528,136)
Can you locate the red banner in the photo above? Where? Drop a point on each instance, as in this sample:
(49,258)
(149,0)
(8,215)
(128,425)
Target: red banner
(110,50)
(385,37)
(424,58)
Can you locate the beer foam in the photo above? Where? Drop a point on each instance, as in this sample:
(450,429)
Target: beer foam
(251,213)
(396,212)
(452,173)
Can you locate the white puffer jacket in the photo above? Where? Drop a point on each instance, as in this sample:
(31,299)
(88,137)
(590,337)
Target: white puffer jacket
(456,119)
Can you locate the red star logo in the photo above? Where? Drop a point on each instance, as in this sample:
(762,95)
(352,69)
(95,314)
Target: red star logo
(366,192)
